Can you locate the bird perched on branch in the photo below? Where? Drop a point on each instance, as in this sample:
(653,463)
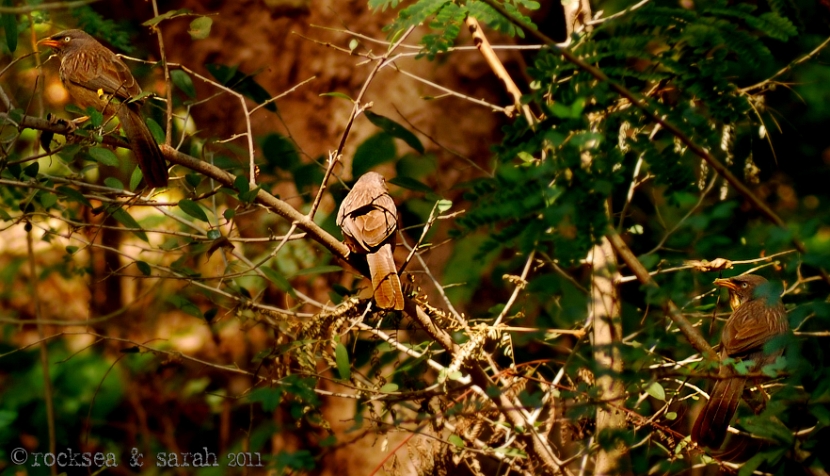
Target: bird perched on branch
(369,219)
(95,77)
(757,317)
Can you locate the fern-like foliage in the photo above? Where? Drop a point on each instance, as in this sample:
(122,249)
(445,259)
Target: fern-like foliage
(555,179)
(445,18)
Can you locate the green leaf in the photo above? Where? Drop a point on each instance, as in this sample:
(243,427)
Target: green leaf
(73,195)
(193,180)
(165,16)
(240,183)
(48,200)
(269,397)
(318,270)
(74,109)
(563,111)
(200,28)
(389,388)
(183,81)
(95,118)
(395,130)
(375,150)
(9,23)
(193,209)
(144,268)
(185,305)
(135,178)
(113,182)
(121,216)
(444,205)
(277,278)
(249,196)
(335,94)
(103,156)
(155,129)
(280,152)
(241,83)
(140,96)
(32,169)
(456,441)
(656,390)
(411,184)
(341,357)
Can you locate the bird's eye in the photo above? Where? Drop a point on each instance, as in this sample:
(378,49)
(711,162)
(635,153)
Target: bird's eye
(66,40)
(744,285)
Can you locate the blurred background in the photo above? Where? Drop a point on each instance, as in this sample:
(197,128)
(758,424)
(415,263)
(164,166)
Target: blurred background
(159,339)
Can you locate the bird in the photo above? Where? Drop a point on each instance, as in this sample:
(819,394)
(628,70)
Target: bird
(368,219)
(95,77)
(757,317)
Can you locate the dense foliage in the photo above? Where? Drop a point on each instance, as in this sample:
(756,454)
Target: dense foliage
(500,361)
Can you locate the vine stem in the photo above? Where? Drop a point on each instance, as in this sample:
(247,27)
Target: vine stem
(641,104)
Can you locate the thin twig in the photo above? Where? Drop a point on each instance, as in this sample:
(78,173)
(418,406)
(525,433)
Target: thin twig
(677,225)
(790,66)
(520,285)
(626,279)
(498,68)
(652,113)
(630,194)
(692,334)
(628,10)
(283,94)
(357,108)
(44,351)
(168,136)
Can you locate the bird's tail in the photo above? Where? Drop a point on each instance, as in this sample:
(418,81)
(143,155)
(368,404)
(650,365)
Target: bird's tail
(146,150)
(713,421)
(385,282)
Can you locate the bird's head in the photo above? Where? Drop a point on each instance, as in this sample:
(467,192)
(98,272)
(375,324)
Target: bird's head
(372,179)
(741,288)
(67,41)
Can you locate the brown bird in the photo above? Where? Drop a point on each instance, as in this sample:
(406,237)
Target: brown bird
(757,317)
(95,77)
(368,219)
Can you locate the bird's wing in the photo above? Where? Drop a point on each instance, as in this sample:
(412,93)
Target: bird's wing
(743,333)
(376,226)
(100,69)
(369,221)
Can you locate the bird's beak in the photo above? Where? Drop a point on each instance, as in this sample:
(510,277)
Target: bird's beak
(726,283)
(49,42)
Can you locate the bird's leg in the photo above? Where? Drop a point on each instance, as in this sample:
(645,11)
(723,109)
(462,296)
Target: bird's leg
(756,397)
(72,124)
(76,123)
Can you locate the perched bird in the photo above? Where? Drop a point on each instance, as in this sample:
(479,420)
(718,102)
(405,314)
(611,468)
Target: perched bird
(757,317)
(95,77)
(369,219)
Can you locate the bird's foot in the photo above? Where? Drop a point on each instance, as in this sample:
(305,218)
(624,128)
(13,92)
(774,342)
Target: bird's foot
(76,123)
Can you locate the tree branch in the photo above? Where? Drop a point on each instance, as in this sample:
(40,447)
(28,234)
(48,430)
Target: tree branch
(641,104)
